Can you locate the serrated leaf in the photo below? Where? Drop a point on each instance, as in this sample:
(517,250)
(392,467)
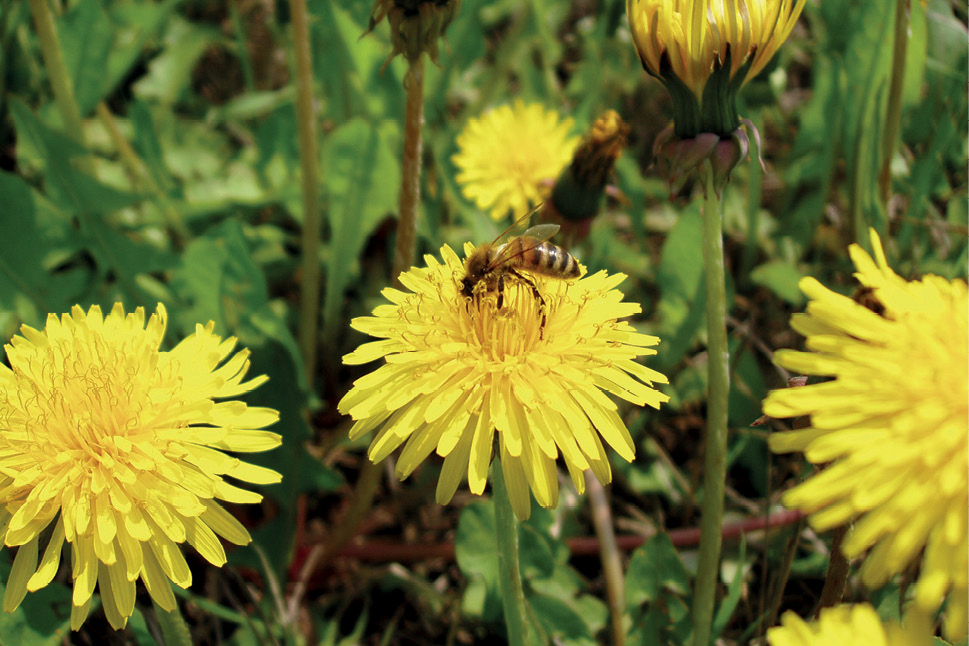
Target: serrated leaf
(32,237)
(654,570)
(42,619)
(680,274)
(734,588)
(781,278)
(477,557)
(363,180)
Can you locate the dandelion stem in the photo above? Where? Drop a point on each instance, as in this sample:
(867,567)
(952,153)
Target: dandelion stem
(60,80)
(410,187)
(836,579)
(715,465)
(609,555)
(309,296)
(509,572)
(173,627)
(893,117)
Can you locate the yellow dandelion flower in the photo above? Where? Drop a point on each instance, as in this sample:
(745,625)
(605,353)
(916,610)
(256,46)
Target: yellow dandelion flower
(848,625)
(893,420)
(505,156)
(117,448)
(692,38)
(459,369)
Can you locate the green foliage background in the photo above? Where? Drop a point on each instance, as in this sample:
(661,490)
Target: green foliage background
(188,194)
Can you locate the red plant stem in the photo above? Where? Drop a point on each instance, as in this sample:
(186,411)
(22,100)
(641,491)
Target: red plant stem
(386,551)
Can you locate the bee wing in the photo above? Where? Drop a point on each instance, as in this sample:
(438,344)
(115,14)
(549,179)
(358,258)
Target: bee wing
(531,238)
(541,232)
(517,227)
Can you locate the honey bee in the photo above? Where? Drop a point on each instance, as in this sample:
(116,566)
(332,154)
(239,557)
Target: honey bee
(514,256)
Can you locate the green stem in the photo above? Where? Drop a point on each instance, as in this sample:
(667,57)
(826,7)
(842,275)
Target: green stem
(410,183)
(309,297)
(893,117)
(60,81)
(509,574)
(174,630)
(715,465)
(609,555)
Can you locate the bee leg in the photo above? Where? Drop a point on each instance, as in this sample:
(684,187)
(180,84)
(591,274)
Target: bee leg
(538,296)
(501,290)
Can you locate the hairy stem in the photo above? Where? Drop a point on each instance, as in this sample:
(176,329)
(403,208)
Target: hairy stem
(836,579)
(715,464)
(509,574)
(309,296)
(410,187)
(609,555)
(173,627)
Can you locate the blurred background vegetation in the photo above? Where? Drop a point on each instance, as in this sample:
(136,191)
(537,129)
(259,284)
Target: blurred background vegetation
(186,190)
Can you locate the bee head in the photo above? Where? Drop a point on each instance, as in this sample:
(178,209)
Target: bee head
(476,265)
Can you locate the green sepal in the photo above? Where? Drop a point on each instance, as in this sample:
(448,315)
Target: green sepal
(686,108)
(718,112)
(576,200)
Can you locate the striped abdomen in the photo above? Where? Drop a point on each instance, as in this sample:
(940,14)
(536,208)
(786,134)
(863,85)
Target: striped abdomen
(543,258)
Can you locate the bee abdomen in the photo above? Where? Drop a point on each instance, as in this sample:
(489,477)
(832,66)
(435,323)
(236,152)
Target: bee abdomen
(551,260)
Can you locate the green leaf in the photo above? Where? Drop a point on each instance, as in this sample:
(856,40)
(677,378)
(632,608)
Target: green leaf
(86,37)
(734,589)
(477,556)
(781,278)
(680,273)
(36,141)
(44,237)
(170,73)
(560,607)
(42,619)
(534,553)
(349,65)
(558,617)
(655,569)
(147,144)
(363,180)
(218,280)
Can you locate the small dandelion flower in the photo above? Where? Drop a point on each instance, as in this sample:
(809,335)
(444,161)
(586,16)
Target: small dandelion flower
(505,156)
(843,625)
(893,420)
(460,369)
(117,448)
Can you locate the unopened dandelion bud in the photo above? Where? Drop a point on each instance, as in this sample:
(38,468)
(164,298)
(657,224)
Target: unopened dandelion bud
(581,187)
(415,25)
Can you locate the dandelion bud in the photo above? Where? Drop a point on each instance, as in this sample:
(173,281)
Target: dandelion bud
(581,187)
(415,25)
